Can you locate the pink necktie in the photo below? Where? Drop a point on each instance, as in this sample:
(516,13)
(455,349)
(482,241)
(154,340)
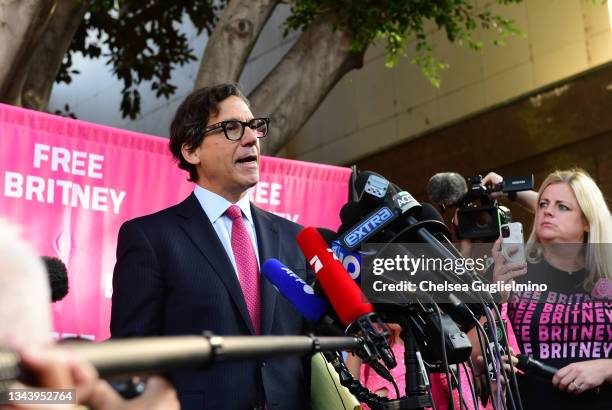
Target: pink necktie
(246,262)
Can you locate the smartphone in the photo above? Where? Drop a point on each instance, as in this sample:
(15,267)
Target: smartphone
(513,246)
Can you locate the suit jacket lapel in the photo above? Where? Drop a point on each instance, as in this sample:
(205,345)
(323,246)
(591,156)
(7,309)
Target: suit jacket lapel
(269,247)
(200,230)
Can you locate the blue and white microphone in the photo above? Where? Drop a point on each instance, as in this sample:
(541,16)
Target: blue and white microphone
(300,294)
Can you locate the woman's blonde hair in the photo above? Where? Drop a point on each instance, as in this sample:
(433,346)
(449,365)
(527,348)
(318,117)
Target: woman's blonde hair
(598,259)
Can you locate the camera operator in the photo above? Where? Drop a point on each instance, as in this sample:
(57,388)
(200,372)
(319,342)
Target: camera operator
(26,327)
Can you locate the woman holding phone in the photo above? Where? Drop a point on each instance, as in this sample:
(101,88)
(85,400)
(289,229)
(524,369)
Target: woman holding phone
(568,326)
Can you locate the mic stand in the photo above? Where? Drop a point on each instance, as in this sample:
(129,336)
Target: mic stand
(354,386)
(417,395)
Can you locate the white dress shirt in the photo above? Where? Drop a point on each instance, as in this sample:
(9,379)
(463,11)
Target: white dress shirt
(214,207)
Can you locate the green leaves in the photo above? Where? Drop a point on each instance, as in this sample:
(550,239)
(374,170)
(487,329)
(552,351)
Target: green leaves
(142,42)
(402,23)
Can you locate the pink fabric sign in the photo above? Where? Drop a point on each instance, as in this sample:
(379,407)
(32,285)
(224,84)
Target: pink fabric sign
(71,185)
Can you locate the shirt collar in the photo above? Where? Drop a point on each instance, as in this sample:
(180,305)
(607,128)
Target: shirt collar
(215,205)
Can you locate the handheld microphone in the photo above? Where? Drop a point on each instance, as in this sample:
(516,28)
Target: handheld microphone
(311,303)
(346,298)
(532,366)
(344,294)
(295,290)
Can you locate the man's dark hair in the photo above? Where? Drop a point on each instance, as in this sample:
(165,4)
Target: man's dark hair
(192,117)
(58,277)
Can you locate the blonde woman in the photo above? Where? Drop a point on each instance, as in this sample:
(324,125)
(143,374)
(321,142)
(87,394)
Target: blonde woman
(569,326)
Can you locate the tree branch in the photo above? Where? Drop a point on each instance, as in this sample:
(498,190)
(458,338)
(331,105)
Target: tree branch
(231,42)
(21,23)
(293,90)
(50,52)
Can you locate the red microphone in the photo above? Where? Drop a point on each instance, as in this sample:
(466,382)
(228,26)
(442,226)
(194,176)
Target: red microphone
(341,290)
(351,306)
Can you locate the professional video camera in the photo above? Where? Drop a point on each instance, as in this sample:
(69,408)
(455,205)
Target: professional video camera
(478,215)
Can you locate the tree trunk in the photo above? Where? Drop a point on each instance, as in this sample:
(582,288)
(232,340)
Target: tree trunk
(21,23)
(231,42)
(293,90)
(50,52)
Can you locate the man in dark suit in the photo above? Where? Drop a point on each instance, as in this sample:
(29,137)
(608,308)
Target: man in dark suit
(195,266)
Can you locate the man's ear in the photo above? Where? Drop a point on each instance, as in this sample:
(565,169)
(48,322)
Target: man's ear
(191,155)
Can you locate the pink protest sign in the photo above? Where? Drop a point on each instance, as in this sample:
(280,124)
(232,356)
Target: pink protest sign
(71,185)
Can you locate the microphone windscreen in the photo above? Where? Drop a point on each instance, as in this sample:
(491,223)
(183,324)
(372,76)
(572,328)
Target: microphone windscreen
(446,188)
(343,293)
(58,277)
(350,214)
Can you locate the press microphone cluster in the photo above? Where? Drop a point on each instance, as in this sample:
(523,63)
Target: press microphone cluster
(398,217)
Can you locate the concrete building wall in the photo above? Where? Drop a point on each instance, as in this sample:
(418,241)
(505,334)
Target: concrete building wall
(376,107)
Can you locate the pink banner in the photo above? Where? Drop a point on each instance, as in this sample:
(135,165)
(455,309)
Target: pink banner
(71,185)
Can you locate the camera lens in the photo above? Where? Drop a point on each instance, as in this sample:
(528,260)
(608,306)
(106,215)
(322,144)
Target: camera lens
(505,231)
(483,220)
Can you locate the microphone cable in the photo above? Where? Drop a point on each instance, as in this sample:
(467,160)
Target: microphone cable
(514,387)
(470,380)
(483,338)
(444,357)
(499,366)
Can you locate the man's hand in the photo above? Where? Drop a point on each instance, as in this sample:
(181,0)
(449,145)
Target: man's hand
(579,377)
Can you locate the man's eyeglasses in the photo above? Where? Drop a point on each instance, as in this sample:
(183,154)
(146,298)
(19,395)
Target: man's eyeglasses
(234,129)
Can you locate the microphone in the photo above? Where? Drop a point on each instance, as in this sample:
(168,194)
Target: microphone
(58,277)
(347,300)
(356,229)
(295,290)
(532,366)
(165,353)
(344,294)
(371,187)
(447,188)
(351,261)
(307,300)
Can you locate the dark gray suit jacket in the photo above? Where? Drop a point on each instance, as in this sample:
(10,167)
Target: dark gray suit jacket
(173,277)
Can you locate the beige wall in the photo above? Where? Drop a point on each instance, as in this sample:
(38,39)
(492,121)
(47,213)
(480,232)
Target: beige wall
(375,107)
